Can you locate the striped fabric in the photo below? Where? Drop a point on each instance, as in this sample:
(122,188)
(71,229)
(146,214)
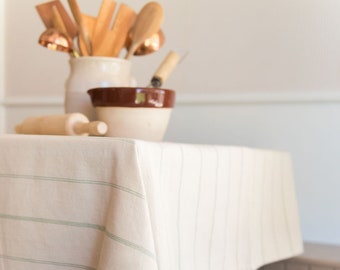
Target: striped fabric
(118,204)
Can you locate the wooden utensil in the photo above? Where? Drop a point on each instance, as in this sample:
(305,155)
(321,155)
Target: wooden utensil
(56,38)
(74,124)
(45,11)
(165,69)
(89,23)
(103,24)
(58,21)
(125,19)
(115,38)
(83,32)
(148,22)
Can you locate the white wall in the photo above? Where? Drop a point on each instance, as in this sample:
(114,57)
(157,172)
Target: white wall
(239,46)
(2,66)
(261,73)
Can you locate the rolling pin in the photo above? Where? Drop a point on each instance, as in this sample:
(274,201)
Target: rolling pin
(74,124)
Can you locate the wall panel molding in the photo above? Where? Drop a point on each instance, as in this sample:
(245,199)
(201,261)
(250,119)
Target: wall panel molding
(258,98)
(199,99)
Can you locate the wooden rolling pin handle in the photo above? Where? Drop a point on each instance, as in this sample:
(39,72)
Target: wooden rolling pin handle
(95,128)
(165,69)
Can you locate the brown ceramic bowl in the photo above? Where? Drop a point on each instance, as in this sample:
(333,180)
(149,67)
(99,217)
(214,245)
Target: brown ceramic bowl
(134,112)
(132,97)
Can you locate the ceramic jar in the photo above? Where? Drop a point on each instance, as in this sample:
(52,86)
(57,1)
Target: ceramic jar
(90,72)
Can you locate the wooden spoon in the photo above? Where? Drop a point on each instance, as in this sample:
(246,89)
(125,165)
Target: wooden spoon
(150,45)
(148,22)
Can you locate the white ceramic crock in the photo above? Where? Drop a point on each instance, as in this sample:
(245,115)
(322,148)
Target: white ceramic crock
(90,72)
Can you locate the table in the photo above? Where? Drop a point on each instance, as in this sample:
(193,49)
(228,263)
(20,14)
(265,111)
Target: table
(113,203)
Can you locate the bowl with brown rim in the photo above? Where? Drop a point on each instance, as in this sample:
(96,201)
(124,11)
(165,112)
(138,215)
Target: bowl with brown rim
(134,112)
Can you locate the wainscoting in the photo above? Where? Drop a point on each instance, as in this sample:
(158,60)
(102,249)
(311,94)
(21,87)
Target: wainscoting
(308,126)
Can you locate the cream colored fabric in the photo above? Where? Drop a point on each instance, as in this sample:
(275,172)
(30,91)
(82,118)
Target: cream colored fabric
(117,204)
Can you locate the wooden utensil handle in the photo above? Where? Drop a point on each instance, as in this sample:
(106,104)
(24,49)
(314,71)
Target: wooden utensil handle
(165,69)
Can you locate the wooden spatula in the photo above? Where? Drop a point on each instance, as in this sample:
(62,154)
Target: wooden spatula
(58,21)
(124,21)
(89,23)
(115,38)
(103,25)
(46,14)
(83,32)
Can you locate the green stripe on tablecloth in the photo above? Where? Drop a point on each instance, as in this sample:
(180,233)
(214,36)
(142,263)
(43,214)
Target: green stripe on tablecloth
(70,180)
(54,221)
(131,245)
(35,261)
(83,225)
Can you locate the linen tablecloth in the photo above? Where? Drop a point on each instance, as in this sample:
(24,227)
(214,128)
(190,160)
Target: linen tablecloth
(109,203)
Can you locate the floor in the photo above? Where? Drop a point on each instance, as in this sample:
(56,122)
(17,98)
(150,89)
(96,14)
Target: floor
(315,257)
